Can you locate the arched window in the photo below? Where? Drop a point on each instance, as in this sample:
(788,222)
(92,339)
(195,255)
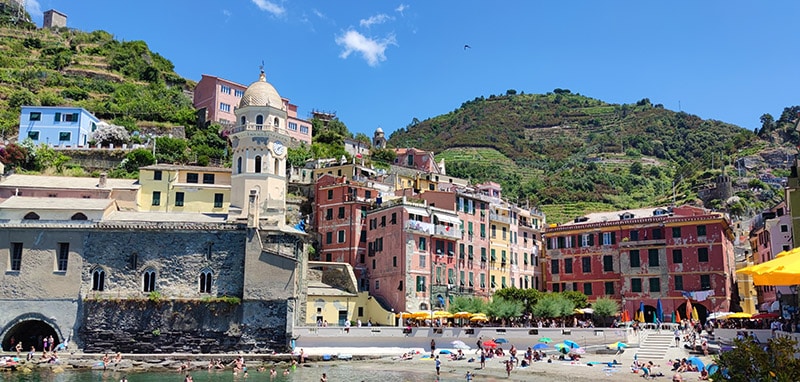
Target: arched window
(79,216)
(205,281)
(277,122)
(277,166)
(239,165)
(31,216)
(99,279)
(258,164)
(149,280)
(259,121)
(244,120)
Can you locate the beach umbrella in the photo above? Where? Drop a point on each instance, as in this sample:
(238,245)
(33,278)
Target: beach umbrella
(766,315)
(564,349)
(659,311)
(546,340)
(501,340)
(489,344)
(783,270)
(697,362)
(462,315)
(578,351)
(625,316)
(540,346)
(695,316)
(571,344)
(445,351)
(617,345)
(678,316)
(641,311)
(460,345)
(719,315)
(479,318)
(688,309)
(442,314)
(739,315)
(588,311)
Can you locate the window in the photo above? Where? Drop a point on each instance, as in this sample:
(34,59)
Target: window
(609,288)
(225,89)
(423,245)
(340,236)
(64,136)
(422,261)
(652,257)
(483,230)
(609,238)
(702,255)
(304,129)
(377,284)
(636,285)
(31,216)
(328,237)
(16,256)
(192,177)
(156,198)
(586,264)
(205,281)
(208,178)
(678,282)
(585,240)
(34,135)
(78,216)
(383,221)
(677,256)
(705,282)
(149,280)
(63,257)
(608,263)
(292,126)
(179,199)
(393,220)
(98,280)
(218,200)
(784,228)
(655,284)
(157,175)
(238,93)
(420,283)
(224,107)
(329,214)
(483,255)
(340,215)
(330,194)
(701,230)
(35,116)
(634,235)
(587,289)
(483,280)
(635,259)
(554,266)
(676,232)
(394,260)
(555,287)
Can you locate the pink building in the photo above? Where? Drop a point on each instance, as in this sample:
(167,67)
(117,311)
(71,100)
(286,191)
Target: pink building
(418,159)
(221,97)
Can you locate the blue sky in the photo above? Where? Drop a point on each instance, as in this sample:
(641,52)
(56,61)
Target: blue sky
(383,63)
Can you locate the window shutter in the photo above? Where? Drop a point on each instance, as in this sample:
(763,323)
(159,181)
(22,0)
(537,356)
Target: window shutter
(57,117)
(74,117)
(591,240)
(613,238)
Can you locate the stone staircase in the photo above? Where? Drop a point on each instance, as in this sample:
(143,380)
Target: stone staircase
(655,345)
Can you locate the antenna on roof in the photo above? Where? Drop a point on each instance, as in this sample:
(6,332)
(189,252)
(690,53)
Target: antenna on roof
(261,67)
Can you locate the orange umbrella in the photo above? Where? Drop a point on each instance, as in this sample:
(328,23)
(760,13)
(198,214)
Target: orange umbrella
(677,316)
(625,316)
(688,308)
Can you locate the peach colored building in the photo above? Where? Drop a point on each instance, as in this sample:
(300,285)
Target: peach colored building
(221,97)
(418,159)
(41,186)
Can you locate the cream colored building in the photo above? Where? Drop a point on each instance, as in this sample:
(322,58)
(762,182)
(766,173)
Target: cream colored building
(333,298)
(177,188)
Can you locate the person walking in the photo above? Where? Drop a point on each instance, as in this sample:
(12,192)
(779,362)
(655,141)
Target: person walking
(469,376)
(483,359)
(433,347)
(438,365)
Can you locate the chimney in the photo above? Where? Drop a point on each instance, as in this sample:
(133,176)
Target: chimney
(102,182)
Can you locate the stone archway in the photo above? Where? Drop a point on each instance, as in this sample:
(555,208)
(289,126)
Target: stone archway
(702,311)
(31,330)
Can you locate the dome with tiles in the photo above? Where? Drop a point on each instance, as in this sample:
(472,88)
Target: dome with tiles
(261,93)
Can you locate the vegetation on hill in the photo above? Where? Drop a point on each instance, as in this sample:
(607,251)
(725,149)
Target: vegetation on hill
(562,149)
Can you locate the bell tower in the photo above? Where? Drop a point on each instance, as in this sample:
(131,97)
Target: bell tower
(258,179)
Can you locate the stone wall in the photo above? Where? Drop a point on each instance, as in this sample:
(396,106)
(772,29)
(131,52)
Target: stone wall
(145,326)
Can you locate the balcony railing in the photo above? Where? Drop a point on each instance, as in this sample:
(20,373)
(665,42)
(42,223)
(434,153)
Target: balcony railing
(499,218)
(421,227)
(446,231)
(253,126)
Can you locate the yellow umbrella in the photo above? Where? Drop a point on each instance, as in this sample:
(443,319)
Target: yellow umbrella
(479,318)
(462,315)
(694,314)
(442,314)
(739,315)
(578,311)
(640,316)
(422,315)
(783,270)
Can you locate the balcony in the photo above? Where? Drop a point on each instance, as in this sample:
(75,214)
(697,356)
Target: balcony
(420,227)
(642,243)
(499,218)
(449,232)
(256,127)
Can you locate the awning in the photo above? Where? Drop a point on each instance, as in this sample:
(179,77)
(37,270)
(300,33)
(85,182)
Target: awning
(447,218)
(765,306)
(416,210)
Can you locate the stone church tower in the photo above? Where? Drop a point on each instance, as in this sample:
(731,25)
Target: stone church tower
(379,139)
(259,156)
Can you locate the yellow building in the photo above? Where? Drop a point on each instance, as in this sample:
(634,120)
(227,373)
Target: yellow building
(177,188)
(332,298)
(499,246)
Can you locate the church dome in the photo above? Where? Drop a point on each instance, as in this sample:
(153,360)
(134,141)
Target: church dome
(261,93)
(379,131)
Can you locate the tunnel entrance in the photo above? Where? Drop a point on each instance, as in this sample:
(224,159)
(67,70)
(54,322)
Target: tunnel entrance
(30,333)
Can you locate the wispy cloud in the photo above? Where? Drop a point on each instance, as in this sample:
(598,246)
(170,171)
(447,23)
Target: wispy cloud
(319,14)
(400,8)
(377,19)
(372,50)
(227,14)
(33,8)
(266,5)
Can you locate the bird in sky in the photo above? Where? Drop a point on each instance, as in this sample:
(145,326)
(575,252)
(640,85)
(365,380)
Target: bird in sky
(467,46)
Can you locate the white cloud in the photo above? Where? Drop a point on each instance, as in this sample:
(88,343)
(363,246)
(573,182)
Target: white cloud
(266,5)
(400,8)
(372,50)
(33,8)
(319,14)
(227,14)
(377,19)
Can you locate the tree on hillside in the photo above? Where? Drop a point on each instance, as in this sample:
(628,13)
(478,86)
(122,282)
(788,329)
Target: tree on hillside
(297,157)
(384,155)
(136,159)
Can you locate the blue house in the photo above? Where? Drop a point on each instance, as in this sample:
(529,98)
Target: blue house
(56,125)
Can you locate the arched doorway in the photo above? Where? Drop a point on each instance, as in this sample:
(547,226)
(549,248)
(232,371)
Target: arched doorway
(649,313)
(702,311)
(31,332)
